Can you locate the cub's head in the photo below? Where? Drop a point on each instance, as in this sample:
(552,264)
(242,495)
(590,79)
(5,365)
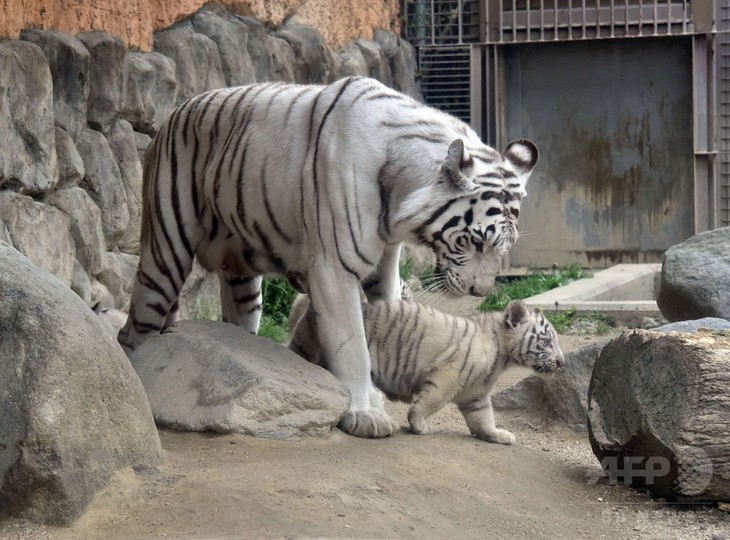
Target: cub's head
(470,217)
(532,340)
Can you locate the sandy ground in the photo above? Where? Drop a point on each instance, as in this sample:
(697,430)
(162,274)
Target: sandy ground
(444,485)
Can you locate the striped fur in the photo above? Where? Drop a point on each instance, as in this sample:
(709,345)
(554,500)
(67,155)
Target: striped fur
(422,355)
(320,184)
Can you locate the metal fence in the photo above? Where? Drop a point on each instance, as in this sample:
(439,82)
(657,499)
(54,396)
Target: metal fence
(723,107)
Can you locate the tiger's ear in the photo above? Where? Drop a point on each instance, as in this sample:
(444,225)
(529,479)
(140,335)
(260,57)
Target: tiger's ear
(457,159)
(515,314)
(522,155)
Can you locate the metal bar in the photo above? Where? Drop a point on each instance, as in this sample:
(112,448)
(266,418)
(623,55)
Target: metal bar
(459,22)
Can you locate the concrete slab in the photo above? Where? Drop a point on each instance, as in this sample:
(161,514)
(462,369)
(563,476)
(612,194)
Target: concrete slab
(625,292)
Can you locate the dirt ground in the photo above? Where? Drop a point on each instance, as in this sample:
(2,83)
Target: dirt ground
(444,485)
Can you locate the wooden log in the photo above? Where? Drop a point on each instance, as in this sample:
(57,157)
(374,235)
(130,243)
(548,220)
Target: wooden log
(659,413)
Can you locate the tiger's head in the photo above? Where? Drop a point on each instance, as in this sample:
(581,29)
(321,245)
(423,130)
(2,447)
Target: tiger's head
(472,211)
(531,339)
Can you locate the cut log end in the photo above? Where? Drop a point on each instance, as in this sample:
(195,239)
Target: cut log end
(659,413)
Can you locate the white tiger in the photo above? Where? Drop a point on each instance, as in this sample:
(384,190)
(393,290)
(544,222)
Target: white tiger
(421,355)
(320,184)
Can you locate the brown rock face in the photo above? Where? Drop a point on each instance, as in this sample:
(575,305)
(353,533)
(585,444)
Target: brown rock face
(339,21)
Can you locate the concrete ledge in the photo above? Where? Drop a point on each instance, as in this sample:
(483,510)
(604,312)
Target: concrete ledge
(625,292)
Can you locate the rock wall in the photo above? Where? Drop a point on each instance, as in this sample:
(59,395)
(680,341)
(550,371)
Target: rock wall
(82,109)
(135,21)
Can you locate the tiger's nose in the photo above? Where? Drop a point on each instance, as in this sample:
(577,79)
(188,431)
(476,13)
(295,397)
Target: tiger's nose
(560,360)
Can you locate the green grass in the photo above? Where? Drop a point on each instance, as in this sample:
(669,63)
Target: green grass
(273,329)
(563,321)
(531,285)
(277,298)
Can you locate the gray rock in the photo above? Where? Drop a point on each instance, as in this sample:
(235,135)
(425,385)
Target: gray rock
(117,275)
(562,395)
(151,90)
(401,60)
(69,62)
(351,63)
(86,228)
(695,277)
(40,232)
(141,142)
(100,294)
(196,57)
(107,78)
(70,165)
(313,60)
(204,375)
(103,181)
(28,150)
(73,410)
(200,295)
(377,64)
(80,283)
(231,37)
(123,146)
(709,323)
(272,57)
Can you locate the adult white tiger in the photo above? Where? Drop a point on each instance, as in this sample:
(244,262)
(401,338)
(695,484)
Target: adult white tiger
(322,184)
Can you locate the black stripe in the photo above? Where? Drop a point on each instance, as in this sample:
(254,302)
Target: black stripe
(355,241)
(145,280)
(237,281)
(384,216)
(274,259)
(248,298)
(344,265)
(267,205)
(347,83)
(157,308)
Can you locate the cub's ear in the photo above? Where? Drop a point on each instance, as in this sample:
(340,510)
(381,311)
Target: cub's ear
(457,159)
(515,314)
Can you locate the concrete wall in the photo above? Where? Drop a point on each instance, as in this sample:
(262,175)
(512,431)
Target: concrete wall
(612,120)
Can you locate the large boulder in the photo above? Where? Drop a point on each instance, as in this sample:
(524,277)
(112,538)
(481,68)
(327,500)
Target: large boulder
(103,181)
(69,62)
(86,228)
(659,413)
(40,232)
(73,409)
(151,90)
(695,277)
(349,62)
(107,78)
(212,376)
(376,63)
(196,57)
(28,150)
(231,36)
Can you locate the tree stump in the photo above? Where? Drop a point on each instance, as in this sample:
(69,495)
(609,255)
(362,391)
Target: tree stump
(659,413)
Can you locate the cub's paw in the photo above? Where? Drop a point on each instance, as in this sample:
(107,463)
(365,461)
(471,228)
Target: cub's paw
(418,425)
(499,436)
(371,424)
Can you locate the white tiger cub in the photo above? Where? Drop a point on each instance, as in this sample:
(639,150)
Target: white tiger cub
(421,355)
(320,184)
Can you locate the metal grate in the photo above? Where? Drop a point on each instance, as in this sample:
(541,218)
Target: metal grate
(441,22)
(521,21)
(723,136)
(445,75)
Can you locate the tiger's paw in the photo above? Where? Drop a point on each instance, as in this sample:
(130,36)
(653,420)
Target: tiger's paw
(370,424)
(418,424)
(499,436)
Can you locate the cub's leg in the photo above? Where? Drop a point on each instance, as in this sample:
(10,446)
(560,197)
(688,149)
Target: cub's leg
(436,392)
(385,284)
(479,417)
(342,337)
(241,300)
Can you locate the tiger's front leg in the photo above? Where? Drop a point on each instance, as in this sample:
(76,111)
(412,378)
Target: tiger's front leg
(342,335)
(479,417)
(385,284)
